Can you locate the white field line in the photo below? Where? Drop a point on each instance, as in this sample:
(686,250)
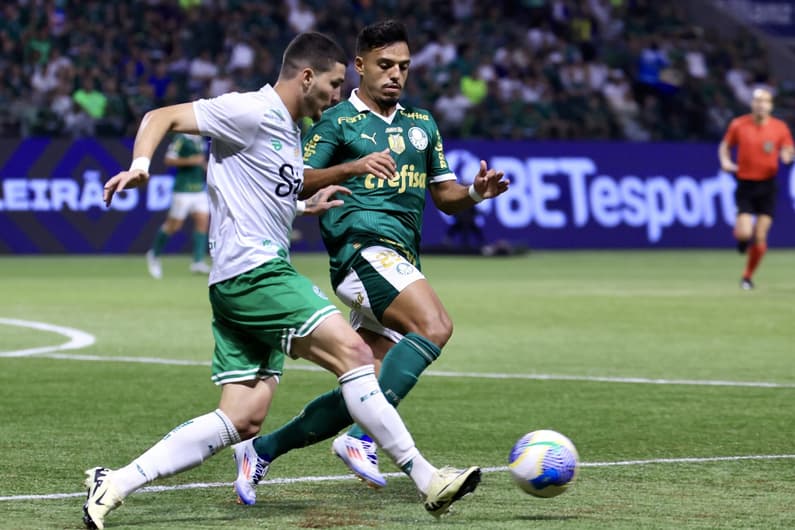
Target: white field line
(330,478)
(437,373)
(80,339)
(77,339)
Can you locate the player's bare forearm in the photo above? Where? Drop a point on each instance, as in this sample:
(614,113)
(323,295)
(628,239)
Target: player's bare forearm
(725,158)
(156,123)
(451,197)
(154,126)
(315,179)
(380,164)
(189,161)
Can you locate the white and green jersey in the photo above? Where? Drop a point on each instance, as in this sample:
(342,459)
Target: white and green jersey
(378,212)
(254,175)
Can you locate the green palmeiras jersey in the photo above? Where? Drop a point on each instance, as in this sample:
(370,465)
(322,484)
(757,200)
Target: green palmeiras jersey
(378,212)
(188,178)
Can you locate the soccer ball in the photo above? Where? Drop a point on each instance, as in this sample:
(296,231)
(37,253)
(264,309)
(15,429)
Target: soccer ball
(543,463)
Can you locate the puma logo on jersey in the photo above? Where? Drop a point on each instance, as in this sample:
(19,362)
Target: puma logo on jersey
(371,138)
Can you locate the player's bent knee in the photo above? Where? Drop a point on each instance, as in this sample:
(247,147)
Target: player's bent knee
(355,354)
(248,428)
(438,330)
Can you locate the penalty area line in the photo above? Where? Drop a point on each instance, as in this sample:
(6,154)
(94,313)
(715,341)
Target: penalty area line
(336,478)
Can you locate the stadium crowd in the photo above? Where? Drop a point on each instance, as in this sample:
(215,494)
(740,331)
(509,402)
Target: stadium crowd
(541,69)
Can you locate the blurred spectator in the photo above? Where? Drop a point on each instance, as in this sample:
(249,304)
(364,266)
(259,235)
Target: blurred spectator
(301,18)
(651,61)
(139,103)
(558,68)
(451,108)
(74,122)
(202,70)
(161,80)
(88,98)
(115,118)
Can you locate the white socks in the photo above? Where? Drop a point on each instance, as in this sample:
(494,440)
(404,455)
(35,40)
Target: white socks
(185,447)
(369,408)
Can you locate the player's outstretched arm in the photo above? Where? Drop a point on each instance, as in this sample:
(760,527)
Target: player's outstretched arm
(451,197)
(154,126)
(381,164)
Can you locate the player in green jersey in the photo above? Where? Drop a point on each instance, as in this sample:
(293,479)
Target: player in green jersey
(186,153)
(388,156)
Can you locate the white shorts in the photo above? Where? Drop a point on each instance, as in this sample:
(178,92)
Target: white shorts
(184,203)
(377,276)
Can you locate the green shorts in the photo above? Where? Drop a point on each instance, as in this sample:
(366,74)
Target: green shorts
(257,314)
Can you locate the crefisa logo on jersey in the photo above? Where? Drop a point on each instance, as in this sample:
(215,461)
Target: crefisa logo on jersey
(418,138)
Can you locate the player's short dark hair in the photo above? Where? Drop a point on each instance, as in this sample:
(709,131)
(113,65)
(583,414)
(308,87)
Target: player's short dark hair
(381,34)
(313,50)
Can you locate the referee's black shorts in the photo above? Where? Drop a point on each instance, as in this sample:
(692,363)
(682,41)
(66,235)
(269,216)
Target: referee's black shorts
(756,196)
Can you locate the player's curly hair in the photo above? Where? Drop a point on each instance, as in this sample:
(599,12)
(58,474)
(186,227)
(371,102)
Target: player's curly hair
(380,34)
(314,50)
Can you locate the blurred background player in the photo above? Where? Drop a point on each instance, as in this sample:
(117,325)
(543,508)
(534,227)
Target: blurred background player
(760,140)
(387,155)
(187,153)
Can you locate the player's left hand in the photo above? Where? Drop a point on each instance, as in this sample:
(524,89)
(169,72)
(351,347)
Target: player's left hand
(787,154)
(322,199)
(489,182)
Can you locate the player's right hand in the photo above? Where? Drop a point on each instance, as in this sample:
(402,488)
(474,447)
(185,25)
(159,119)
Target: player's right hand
(123,181)
(729,167)
(381,164)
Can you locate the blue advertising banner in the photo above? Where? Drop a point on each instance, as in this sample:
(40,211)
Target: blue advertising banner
(776,17)
(562,195)
(608,195)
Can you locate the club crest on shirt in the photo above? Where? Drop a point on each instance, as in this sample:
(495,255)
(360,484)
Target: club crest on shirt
(396,143)
(404,268)
(418,138)
(768,146)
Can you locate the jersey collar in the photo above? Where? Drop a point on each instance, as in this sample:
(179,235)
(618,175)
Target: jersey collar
(361,106)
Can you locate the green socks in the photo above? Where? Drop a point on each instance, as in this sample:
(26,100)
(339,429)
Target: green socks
(161,238)
(401,368)
(199,246)
(322,418)
(326,415)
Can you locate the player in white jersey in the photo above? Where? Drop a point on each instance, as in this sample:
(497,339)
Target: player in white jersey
(262,308)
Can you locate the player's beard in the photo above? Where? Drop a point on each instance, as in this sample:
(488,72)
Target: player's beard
(387,101)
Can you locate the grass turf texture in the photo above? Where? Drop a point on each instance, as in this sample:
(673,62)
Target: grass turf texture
(671,315)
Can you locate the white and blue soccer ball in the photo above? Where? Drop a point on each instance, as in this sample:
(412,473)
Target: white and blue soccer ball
(543,463)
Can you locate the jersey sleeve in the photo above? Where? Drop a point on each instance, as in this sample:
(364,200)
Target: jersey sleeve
(439,168)
(231,118)
(320,143)
(731,133)
(786,136)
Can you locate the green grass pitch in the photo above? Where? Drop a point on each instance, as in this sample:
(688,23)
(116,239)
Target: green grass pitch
(638,357)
